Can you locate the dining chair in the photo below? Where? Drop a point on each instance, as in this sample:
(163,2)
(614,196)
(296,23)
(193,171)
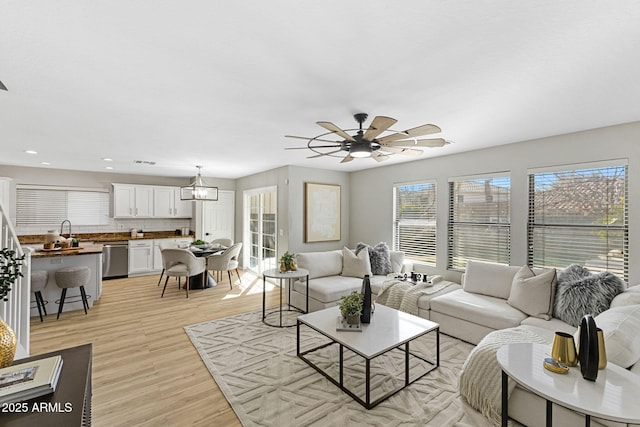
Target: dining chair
(226,261)
(182,263)
(222,242)
(166,245)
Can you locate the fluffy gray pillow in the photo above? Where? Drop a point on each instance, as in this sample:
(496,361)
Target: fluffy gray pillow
(578,293)
(379,256)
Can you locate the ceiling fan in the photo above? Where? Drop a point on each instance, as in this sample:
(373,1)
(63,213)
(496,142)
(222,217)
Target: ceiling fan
(367,143)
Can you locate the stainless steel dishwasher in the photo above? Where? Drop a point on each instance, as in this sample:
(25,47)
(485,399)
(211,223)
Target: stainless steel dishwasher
(115,260)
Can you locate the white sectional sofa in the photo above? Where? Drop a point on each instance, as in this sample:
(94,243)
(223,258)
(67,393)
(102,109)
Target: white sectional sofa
(327,283)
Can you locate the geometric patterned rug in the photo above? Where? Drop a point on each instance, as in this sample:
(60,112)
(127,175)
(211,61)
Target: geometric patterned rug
(257,369)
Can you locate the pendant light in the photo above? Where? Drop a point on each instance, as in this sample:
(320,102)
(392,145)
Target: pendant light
(199,190)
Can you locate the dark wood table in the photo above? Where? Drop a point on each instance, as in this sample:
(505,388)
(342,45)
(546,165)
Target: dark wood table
(69,405)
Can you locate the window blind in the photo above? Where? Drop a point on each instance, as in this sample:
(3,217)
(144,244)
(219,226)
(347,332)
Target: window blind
(42,206)
(479,220)
(414,221)
(579,216)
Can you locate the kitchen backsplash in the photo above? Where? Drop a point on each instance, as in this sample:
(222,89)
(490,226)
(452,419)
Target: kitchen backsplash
(115,226)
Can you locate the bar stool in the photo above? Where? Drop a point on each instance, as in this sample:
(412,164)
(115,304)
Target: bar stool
(72,277)
(38,283)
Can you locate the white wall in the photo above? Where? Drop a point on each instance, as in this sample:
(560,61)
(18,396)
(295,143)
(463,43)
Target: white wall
(372,190)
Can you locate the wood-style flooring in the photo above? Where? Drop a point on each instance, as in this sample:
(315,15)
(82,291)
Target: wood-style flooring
(145,370)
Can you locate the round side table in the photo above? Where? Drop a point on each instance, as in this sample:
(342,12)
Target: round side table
(282,276)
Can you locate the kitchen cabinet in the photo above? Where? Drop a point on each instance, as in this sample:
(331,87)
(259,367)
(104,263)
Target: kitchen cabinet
(140,257)
(132,201)
(167,203)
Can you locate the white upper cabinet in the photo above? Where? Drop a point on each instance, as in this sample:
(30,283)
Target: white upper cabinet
(167,203)
(149,201)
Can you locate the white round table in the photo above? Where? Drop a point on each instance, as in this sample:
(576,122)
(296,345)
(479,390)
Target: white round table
(282,276)
(613,396)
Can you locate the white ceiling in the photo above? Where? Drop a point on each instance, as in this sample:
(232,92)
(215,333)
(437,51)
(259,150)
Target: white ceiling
(219,84)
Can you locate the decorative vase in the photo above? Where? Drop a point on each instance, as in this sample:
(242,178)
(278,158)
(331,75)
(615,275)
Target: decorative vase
(292,265)
(588,350)
(7,344)
(283,266)
(602,352)
(563,349)
(353,319)
(365,317)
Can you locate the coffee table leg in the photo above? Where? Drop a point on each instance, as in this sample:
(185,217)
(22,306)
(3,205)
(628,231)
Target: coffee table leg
(368,385)
(549,413)
(505,398)
(406,364)
(297,337)
(587,420)
(341,365)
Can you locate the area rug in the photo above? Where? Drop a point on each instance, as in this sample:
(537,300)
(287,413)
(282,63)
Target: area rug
(257,369)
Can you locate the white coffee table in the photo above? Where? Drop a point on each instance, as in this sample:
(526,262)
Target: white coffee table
(613,396)
(389,329)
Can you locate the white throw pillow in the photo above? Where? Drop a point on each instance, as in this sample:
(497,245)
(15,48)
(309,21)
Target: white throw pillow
(630,296)
(533,294)
(621,326)
(488,278)
(355,265)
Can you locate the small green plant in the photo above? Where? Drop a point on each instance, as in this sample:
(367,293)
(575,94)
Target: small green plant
(9,271)
(351,305)
(287,261)
(199,242)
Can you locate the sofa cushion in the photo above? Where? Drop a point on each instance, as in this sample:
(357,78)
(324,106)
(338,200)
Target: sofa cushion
(397,261)
(379,257)
(533,294)
(488,278)
(328,289)
(578,292)
(321,264)
(553,325)
(484,310)
(355,265)
(621,326)
(630,296)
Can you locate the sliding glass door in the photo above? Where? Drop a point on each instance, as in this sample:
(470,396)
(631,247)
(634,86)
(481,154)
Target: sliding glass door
(260,208)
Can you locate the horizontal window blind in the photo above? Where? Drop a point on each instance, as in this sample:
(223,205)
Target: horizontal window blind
(414,221)
(479,220)
(40,206)
(579,216)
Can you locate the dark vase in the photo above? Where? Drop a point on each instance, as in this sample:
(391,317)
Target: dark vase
(588,350)
(365,317)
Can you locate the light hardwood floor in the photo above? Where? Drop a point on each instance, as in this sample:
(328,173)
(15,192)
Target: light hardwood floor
(145,370)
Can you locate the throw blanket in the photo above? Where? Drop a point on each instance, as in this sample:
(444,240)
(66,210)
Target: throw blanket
(403,295)
(481,378)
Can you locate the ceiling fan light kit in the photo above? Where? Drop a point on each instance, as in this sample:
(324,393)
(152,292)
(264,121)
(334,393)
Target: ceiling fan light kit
(199,190)
(365,143)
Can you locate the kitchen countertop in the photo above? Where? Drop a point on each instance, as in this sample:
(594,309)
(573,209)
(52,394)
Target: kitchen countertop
(84,249)
(36,239)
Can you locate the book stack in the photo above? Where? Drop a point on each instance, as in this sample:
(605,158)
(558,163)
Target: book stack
(25,381)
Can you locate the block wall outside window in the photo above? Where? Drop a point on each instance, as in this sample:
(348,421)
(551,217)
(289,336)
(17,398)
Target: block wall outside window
(414,221)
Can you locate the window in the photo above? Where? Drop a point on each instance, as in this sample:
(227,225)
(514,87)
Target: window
(49,206)
(479,220)
(414,221)
(579,216)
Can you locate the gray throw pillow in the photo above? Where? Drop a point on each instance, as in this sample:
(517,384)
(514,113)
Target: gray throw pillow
(578,293)
(379,256)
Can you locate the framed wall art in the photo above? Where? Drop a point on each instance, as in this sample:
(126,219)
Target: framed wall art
(321,212)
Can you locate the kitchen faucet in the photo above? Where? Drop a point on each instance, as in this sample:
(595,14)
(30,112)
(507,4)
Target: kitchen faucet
(62,226)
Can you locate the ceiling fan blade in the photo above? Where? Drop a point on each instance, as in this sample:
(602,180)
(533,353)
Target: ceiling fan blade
(417,131)
(347,158)
(3,87)
(333,128)
(315,146)
(308,139)
(377,126)
(379,157)
(325,154)
(401,150)
(436,142)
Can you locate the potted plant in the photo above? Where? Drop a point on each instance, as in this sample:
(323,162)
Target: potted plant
(10,265)
(288,262)
(351,307)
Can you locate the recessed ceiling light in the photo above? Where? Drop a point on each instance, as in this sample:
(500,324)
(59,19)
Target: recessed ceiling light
(108,167)
(107,159)
(46,163)
(31,151)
